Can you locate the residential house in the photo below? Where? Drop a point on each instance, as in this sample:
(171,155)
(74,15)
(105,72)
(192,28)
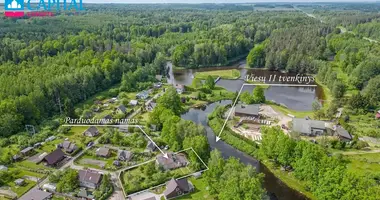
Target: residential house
(173,161)
(19,182)
(309,127)
(92,131)
(343,134)
(89,179)
(55,157)
(151,106)
(124,155)
(116,163)
(68,147)
(107,119)
(36,194)
(142,95)
(150,147)
(176,188)
(121,109)
(103,152)
(180,88)
(133,102)
(27,151)
(242,110)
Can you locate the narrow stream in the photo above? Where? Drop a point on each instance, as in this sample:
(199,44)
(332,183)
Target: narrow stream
(275,188)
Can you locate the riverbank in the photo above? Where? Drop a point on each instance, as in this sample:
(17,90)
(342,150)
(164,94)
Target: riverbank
(232,74)
(251,148)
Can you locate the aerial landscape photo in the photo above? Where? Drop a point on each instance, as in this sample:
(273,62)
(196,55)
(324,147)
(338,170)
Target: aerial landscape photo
(189,100)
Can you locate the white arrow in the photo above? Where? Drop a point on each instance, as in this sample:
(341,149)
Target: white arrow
(165,154)
(225,122)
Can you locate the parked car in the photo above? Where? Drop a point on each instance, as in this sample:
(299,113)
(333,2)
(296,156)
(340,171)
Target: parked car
(90,144)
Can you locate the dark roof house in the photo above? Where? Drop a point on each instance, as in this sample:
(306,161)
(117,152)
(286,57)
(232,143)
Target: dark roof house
(103,152)
(122,109)
(124,155)
(89,179)
(150,146)
(92,131)
(176,188)
(247,110)
(55,157)
(343,134)
(173,161)
(309,127)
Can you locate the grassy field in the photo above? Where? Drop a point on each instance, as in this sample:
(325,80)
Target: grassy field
(225,74)
(91,154)
(364,163)
(200,191)
(298,114)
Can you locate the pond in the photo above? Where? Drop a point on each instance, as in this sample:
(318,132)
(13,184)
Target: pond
(275,187)
(295,98)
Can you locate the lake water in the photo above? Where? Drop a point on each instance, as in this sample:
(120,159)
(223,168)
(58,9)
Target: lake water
(275,187)
(296,98)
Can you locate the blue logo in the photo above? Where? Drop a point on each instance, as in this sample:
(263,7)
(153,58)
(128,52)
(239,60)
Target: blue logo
(14,5)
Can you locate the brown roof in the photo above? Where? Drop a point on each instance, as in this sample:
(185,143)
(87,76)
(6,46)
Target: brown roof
(89,176)
(54,157)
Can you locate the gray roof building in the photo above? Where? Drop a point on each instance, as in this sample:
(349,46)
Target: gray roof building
(173,161)
(124,155)
(102,151)
(122,108)
(308,127)
(90,179)
(68,146)
(92,131)
(27,150)
(175,188)
(343,134)
(36,194)
(247,110)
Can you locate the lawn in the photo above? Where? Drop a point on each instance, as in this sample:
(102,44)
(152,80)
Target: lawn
(364,163)
(91,154)
(200,191)
(297,114)
(20,190)
(225,74)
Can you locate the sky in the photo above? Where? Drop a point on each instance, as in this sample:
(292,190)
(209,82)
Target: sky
(205,1)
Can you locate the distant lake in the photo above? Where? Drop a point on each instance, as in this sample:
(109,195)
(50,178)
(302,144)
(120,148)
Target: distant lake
(295,98)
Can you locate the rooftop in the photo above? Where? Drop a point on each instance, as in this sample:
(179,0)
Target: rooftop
(35,194)
(89,176)
(305,125)
(252,109)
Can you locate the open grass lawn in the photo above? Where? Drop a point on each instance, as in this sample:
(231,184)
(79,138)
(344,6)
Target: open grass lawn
(200,190)
(225,74)
(25,165)
(365,125)
(298,114)
(90,101)
(20,190)
(91,155)
(364,163)
(50,146)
